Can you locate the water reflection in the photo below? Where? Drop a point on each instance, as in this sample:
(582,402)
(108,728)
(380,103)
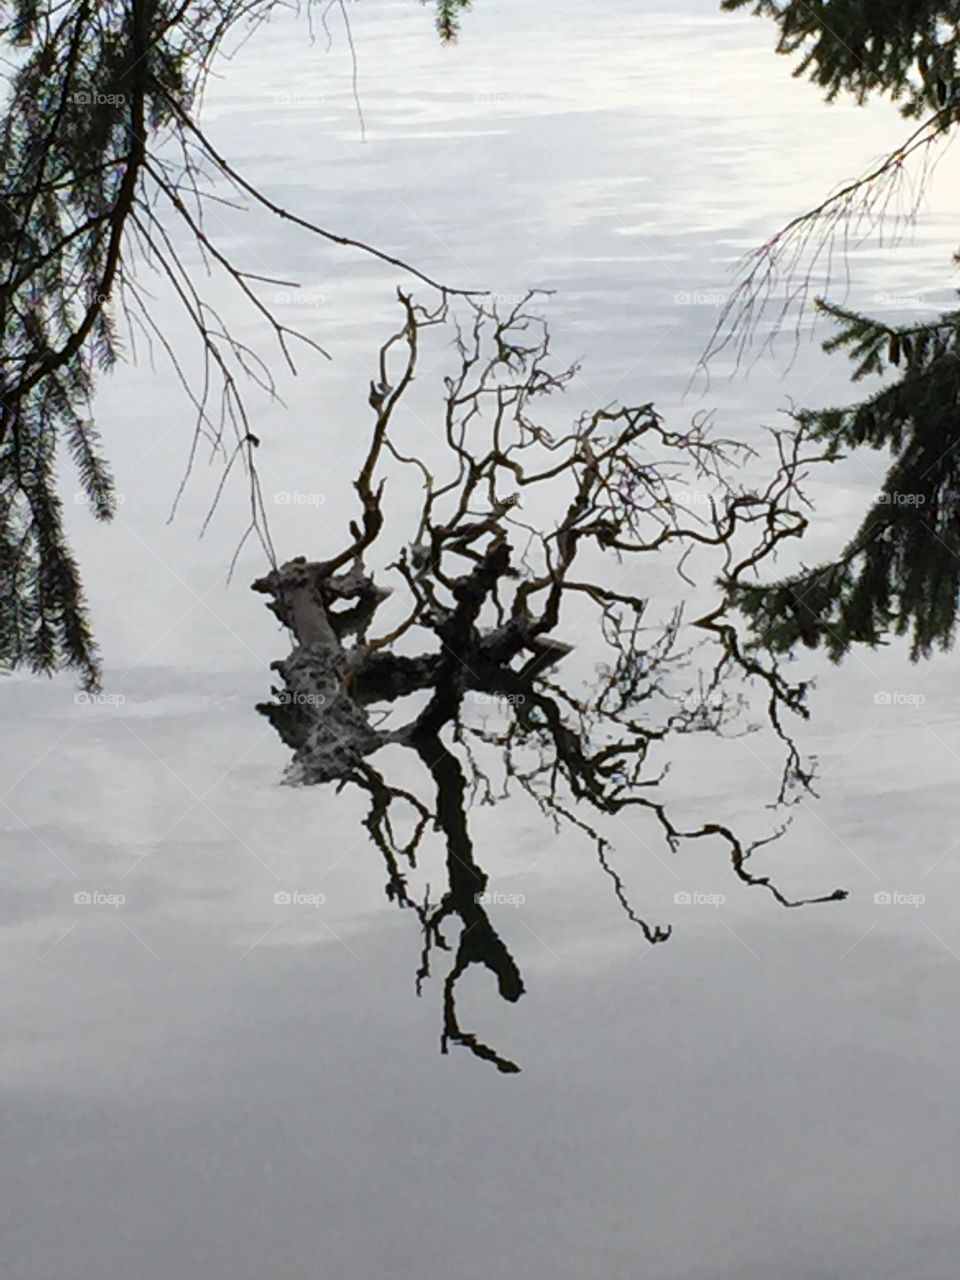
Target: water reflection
(524,537)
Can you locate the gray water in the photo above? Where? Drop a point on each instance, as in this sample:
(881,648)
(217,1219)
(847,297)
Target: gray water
(199,1084)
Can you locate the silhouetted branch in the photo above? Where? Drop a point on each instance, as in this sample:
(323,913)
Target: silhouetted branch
(103,161)
(800,259)
(498,596)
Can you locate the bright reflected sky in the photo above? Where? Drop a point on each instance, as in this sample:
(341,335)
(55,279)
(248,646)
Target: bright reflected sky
(196,1086)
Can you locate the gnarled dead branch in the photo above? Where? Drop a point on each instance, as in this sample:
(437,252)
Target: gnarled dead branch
(523,540)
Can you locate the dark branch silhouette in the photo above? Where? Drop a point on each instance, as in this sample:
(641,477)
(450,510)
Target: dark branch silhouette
(521,540)
(106,177)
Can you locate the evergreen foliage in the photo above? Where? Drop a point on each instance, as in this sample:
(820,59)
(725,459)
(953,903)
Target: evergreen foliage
(100,94)
(903,49)
(900,574)
(448,18)
(901,571)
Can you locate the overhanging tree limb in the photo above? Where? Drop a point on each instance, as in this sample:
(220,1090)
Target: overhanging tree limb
(100,123)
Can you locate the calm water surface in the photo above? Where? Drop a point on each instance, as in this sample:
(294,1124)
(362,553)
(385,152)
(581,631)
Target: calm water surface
(197,1084)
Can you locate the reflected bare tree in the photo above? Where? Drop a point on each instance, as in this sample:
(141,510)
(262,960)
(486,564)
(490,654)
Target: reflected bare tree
(523,537)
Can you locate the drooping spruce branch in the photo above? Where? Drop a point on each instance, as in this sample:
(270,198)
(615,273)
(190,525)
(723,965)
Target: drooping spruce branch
(907,52)
(898,572)
(103,162)
(802,261)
